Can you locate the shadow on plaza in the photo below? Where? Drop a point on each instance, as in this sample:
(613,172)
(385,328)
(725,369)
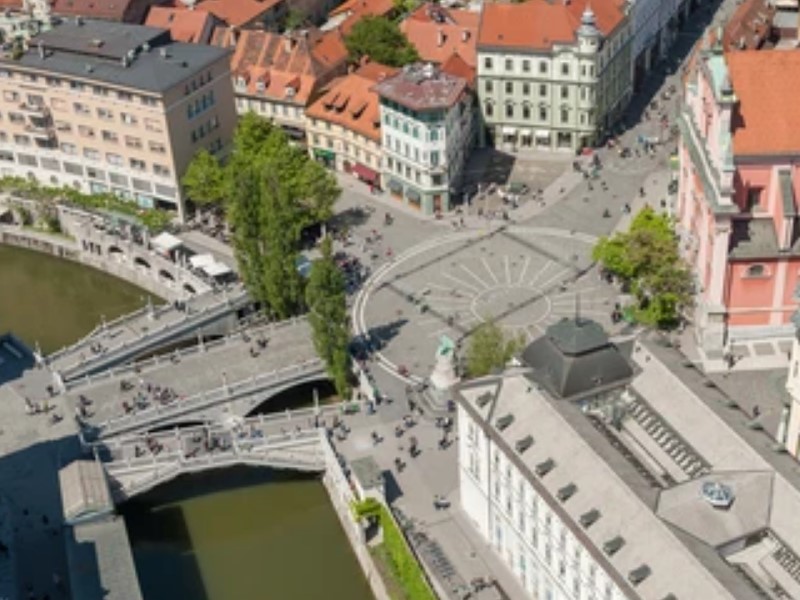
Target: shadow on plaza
(349,219)
(380,335)
(688,35)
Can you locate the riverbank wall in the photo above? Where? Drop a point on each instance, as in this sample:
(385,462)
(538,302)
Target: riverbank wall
(342,498)
(83,242)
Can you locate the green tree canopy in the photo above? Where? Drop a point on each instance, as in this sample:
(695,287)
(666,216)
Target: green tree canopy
(327,312)
(647,260)
(489,349)
(204,180)
(273,191)
(381,40)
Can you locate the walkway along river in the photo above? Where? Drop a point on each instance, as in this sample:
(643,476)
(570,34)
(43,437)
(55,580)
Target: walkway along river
(236,534)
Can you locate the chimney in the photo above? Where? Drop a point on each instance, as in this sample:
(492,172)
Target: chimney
(440,37)
(465,35)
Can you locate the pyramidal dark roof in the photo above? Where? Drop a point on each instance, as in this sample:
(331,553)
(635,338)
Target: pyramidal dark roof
(575,358)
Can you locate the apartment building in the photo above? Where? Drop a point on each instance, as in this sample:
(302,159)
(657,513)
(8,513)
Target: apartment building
(604,472)
(279,75)
(105,107)
(427,126)
(343,126)
(553,75)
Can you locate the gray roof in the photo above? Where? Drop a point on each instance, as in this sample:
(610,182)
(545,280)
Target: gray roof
(753,238)
(95,51)
(575,358)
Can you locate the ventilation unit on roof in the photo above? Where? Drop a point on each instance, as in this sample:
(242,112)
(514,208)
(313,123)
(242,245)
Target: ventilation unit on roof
(543,468)
(566,492)
(612,546)
(639,574)
(484,399)
(504,422)
(524,444)
(587,519)
(717,494)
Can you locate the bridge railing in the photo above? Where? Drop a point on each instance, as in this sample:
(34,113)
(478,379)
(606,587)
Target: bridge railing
(201,400)
(179,354)
(163,332)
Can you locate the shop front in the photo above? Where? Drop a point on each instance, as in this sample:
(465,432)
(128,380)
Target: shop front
(369,176)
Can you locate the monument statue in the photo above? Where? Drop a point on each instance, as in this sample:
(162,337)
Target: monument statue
(444,371)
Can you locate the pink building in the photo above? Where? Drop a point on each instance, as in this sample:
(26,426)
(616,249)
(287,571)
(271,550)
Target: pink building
(739,185)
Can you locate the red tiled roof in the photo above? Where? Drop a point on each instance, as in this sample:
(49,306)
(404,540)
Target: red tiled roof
(12,4)
(538,24)
(422,87)
(456,65)
(191,26)
(269,63)
(111,10)
(767,119)
(438,33)
(750,26)
(355,10)
(235,13)
(350,101)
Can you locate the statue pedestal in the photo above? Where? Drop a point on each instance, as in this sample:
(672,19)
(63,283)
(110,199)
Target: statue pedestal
(444,373)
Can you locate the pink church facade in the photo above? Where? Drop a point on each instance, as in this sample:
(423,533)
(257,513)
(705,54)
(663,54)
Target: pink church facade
(739,182)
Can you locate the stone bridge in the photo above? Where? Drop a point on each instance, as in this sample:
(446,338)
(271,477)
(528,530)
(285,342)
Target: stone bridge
(229,377)
(146,330)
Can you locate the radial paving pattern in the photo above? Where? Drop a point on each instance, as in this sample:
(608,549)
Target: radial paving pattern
(523,278)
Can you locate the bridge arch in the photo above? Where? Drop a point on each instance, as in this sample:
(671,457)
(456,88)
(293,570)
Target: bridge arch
(166,275)
(189,288)
(115,251)
(277,399)
(140,262)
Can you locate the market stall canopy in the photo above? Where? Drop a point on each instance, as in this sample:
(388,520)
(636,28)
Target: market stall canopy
(166,242)
(200,261)
(216,269)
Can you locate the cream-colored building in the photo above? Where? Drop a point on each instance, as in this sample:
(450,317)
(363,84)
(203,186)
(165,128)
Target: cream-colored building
(106,107)
(343,126)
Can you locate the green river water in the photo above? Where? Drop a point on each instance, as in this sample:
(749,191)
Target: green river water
(234,534)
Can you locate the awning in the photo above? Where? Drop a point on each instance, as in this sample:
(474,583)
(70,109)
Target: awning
(542,135)
(166,242)
(322,153)
(526,133)
(413,194)
(395,186)
(509,130)
(216,269)
(200,261)
(365,173)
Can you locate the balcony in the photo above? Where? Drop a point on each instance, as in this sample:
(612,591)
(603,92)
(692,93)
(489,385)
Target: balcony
(37,110)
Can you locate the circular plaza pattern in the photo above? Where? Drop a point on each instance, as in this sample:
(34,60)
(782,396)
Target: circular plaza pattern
(523,278)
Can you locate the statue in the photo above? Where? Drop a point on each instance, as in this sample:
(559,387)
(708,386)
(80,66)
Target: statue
(444,372)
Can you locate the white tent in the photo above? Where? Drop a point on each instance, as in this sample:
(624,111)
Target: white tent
(165,242)
(216,269)
(201,261)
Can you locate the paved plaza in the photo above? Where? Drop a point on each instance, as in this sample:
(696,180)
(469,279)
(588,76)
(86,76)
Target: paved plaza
(522,278)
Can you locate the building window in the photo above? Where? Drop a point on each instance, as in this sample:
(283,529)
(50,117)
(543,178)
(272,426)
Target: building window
(526,112)
(489,109)
(16,118)
(757,271)
(509,64)
(487,63)
(488,86)
(137,165)
(86,131)
(526,89)
(509,111)
(509,87)
(22,140)
(128,119)
(564,92)
(542,90)
(161,170)
(542,113)
(133,142)
(157,147)
(114,159)
(105,114)
(526,66)
(68,148)
(543,67)
(565,69)
(91,154)
(81,108)
(28,160)
(564,115)
(110,136)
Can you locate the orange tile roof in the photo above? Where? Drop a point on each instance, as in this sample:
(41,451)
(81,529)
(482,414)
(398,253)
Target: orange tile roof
(269,63)
(350,102)
(438,33)
(767,118)
(456,65)
(190,26)
(235,13)
(355,10)
(538,24)
(132,11)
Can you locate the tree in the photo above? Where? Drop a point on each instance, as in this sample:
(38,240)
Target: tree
(327,312)
(273,191)
(294,19)
(647,261)
(489,349)
(382,41)
(204,180)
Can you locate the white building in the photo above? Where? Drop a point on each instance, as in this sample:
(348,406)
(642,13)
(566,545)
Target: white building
(553,75)
(595,483)
(427,131)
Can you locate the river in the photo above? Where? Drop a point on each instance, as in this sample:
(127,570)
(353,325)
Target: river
(233,534)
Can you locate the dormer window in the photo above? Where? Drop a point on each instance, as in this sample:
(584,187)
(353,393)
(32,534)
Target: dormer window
(756,271)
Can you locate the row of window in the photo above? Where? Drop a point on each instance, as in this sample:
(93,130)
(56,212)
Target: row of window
(200,105)
(526,112)
(432,134)
(205,129)
(327,142)
(263,107)
(412,174)
(586,93)
(431,159)
(51,164)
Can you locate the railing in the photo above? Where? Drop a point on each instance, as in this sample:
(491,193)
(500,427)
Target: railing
(231,392)
(179,354)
